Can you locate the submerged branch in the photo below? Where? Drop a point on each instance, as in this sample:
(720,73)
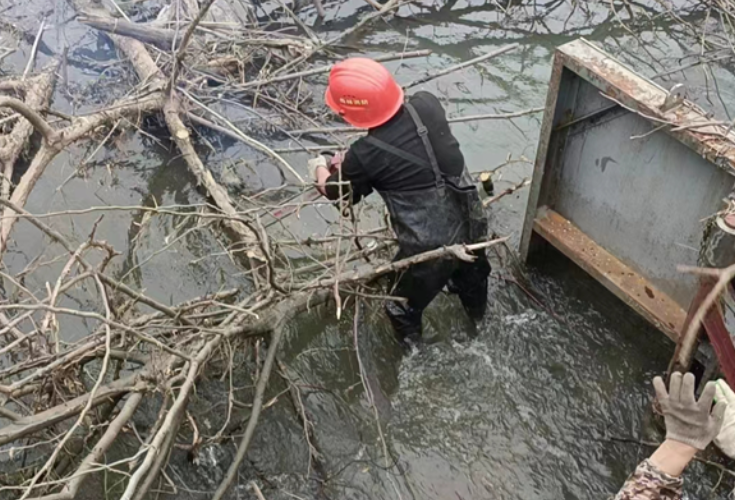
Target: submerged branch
(39,123)
(254,415)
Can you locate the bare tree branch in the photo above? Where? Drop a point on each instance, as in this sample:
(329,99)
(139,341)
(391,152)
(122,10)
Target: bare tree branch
(49,134)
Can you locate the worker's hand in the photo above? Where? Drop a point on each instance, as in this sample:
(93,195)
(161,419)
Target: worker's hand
(336,163)
(314,164)
(689,421)
(725,439)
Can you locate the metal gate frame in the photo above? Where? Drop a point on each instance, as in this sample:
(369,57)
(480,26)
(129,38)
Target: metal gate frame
(670,113)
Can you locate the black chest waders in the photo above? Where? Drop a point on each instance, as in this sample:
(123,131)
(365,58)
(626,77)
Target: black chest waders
(447,213)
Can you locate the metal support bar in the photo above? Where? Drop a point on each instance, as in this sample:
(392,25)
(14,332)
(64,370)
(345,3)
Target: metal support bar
(623,281)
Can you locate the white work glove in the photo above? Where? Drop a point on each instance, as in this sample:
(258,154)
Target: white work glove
(688,420)
(314,164)
(725,439)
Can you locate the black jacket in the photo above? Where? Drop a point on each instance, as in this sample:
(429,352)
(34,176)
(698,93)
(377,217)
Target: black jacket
(367,167)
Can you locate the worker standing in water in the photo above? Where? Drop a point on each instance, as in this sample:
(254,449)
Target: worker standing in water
(411,158)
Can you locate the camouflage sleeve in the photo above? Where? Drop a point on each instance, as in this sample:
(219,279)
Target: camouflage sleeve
(648,483)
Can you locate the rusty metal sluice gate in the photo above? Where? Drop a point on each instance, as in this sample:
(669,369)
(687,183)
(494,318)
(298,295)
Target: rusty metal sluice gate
(631,181)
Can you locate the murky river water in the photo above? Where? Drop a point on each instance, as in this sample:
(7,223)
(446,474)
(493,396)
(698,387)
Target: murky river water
(545,402)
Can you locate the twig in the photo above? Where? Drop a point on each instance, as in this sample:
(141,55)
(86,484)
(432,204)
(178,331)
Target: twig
(506,192)
(239,134)
(254,415)
(386,8)
(170,423)
(56,236)
(461,252)
(34,50)
(457,67)
(100,378)
(55,293)
(456,119)
(300,410)
(502,116)
(326,69)
(298,21)
(184,43)
(724,276)
(369,392)
(256,490)
(71,489)
(691,65)
(163,454)
(108,322)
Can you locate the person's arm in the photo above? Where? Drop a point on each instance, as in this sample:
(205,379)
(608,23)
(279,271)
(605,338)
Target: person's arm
(690,426)
(352,177)
(650,483)
(672,457)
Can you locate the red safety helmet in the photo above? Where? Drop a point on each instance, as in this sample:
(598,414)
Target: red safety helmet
(363,92)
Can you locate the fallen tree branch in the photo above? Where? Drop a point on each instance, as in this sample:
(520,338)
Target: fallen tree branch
(389,6)
(506,192)
(321,290)
(12,85)
(147,70)
(63,138)
(367,273)
(239,134)
(92,315)
(319,8)
(493,116)
(254,415)
(37,96)
(90,401)
(456,119)
(84,470)
(42,420)
(170,423)
(34,50)
(326,69)
(39,123)
(161,458)
(204,176)
(462,65)
(146,33)
(114,284)
(180,50)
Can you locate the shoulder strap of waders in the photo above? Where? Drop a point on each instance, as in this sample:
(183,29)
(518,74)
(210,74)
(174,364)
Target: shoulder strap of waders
(397,151)
(424,134)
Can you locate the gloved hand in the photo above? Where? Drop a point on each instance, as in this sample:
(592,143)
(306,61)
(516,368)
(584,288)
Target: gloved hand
(689,421)
(337,160)
(334,159)
(725,440)
(314,164)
